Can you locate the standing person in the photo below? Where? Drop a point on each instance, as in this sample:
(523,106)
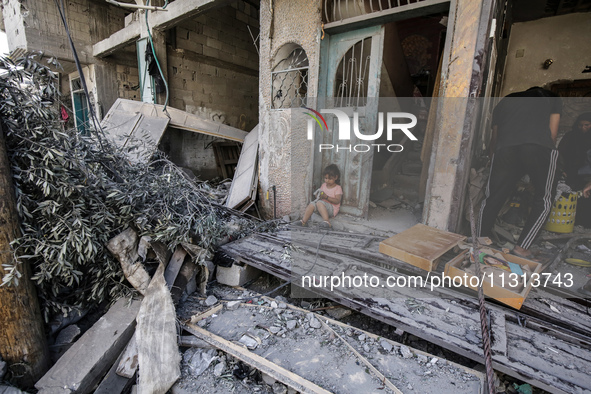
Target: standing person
(525,127)
(329,201)
(575,154)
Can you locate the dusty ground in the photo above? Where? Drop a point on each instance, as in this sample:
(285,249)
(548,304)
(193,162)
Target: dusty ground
(297,341)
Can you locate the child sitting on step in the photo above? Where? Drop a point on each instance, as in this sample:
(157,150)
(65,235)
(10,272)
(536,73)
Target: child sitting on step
(328,201)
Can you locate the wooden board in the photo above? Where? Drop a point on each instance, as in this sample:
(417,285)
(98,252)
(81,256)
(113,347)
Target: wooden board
(174,266)
(494,289)
(113,383)
(521,344)
(85,363)
(275,371)
(420,245)
(245,176)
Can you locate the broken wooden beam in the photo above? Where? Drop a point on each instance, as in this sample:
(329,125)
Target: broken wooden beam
(275,371)
(85,363)
(113,383)
(128,363)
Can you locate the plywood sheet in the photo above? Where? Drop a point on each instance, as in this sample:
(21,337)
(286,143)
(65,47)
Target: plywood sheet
(245,177)
(420,245)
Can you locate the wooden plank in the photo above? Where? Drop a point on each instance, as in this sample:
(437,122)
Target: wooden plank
(449,318)
(174,266)
(84,364)
(128,363)
(246,171)
(420,245)
(275,371)
(114,383)
(364,360)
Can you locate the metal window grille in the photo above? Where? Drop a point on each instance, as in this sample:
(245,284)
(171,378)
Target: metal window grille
(290,81)
(352,75)
(337,10)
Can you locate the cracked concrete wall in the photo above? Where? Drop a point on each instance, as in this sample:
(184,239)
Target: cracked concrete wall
(213,68)
(285,155)
(566,41)
(213,73)
(38,26)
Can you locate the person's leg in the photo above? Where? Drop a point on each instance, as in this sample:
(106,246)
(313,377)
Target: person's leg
(504,174)
(323,211)
(540,164)
(583,215)
(308,213)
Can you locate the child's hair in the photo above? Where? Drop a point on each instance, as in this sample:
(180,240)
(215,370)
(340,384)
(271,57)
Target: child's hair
(333,171)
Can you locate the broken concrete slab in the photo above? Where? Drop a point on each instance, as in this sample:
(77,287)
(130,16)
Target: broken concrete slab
(83,365)
(236,275)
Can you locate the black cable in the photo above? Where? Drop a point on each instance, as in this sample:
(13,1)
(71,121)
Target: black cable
(78,67)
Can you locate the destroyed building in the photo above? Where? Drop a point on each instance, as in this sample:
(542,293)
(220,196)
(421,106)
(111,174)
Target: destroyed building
(245,63)
(235,72)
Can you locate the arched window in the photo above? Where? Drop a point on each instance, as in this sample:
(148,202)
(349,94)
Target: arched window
(290,78)
(351,78)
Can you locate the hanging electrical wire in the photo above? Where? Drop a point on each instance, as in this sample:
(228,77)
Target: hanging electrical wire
(78,67)
(156,57)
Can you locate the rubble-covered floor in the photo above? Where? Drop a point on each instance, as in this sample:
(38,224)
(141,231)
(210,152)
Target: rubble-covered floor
(299,342)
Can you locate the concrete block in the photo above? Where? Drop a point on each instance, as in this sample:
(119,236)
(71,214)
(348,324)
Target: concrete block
(236,275)
(83,365)
(229,48)
(242,17)
(211,52)
(214,43)
(210,31)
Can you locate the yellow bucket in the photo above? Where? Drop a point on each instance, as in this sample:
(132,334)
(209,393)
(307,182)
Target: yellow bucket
(562,215)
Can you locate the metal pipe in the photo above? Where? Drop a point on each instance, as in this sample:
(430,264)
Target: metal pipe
(135,6)
(274,202)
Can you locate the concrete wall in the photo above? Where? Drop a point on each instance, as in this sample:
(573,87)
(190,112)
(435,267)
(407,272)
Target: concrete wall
(213,70)
(285,156)
(188,149)
(565,39)
(213,73)
(88,21)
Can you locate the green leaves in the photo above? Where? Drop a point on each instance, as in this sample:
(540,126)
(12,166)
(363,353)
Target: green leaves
(76,192)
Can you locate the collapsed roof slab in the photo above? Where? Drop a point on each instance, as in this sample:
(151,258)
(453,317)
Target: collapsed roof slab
(176,118)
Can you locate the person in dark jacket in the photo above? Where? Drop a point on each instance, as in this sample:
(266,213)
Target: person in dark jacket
(575,154)
(525,127)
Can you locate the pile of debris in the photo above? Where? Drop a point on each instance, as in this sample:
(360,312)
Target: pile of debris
(75,191)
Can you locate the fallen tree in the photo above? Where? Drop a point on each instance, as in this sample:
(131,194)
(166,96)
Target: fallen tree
(76,191)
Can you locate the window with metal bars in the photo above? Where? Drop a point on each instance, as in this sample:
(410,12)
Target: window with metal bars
(290,79)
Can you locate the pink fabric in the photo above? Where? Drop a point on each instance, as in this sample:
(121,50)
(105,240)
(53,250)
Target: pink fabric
(335,191)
